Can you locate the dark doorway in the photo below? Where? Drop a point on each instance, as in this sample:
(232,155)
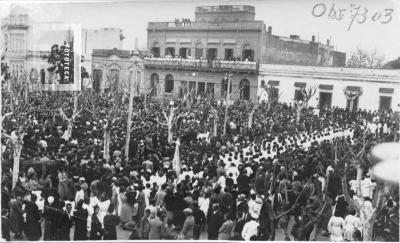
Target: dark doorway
(298,95)
(228,54)
(192,87)
(355,104)
(325,99)
(212,53)
(385,103)
(248,53)
(198,52)
(169,83)
(114,79)
(201,88)
(170,51)
(224,88)
(244,89)
(155,51)
(210,90)
(184,52)
(154,84)
(97,76)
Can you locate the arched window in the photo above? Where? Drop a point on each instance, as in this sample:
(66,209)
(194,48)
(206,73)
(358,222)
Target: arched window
(154,84)
(244,89)
(155,49)
(169,83)
(198,51)
(247,52)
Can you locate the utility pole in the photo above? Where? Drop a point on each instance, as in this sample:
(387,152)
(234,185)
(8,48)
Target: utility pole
(227,100)
(129,122)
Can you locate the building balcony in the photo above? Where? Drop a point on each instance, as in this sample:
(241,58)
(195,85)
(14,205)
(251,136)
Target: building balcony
(225,8)
(206,26)
(201,65)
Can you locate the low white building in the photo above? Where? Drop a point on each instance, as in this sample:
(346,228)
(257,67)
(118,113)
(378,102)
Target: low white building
(381,88)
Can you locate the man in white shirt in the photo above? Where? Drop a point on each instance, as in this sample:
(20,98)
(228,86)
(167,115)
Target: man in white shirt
(250,229)
(80,194)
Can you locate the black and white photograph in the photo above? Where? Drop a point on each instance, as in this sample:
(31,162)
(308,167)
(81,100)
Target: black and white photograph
(186,120)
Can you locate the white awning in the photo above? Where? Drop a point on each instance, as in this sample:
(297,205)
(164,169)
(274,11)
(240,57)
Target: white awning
(229,41)
(211,41)
(169,40)
(185,41)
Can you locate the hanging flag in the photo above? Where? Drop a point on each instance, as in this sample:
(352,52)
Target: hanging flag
(176,162)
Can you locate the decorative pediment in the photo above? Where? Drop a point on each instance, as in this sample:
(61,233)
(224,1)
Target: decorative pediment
(113,66)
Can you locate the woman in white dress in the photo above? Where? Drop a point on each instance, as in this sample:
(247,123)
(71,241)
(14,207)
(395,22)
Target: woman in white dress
(204,203)
(104,204)
(352,223)
(93,202)
(335,227)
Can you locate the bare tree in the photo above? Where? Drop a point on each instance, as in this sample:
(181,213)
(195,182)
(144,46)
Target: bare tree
(359,161)
(70,120)
(16,137)
(365,59)
(170,120)
(306,95)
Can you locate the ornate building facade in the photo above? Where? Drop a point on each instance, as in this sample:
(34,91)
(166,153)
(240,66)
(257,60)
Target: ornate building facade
(186,55)
(26,54)
(113,69)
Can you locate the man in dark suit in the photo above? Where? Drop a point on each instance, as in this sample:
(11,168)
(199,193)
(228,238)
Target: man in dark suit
(157,228)
(5,225)
(215,221)
(65,223)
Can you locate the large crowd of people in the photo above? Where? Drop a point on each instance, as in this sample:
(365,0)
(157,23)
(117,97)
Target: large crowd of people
(277,177)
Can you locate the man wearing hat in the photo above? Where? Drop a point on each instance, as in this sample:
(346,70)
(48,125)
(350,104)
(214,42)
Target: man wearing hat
(187,229)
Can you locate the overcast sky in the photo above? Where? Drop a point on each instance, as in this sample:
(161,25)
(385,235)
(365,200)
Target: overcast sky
(285,16)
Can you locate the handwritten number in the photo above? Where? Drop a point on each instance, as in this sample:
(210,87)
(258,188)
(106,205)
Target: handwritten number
(321,13)
(364,16)
(353,16)
(376,16)
(388,14)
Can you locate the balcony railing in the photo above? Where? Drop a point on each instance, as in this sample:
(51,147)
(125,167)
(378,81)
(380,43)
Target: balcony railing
(244,25)
(200,63)
(228,8)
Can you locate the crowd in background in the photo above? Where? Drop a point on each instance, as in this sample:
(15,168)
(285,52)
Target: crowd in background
(278,176)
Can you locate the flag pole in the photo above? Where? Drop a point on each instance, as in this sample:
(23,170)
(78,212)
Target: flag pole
(129,122)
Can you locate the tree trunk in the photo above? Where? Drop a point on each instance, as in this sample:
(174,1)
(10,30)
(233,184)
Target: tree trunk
(359,176)
(106,153)
(215,125)
(17,155)
(176,162)
(351,104)
(170,133)
(68,133)
(250,124)
(298,114)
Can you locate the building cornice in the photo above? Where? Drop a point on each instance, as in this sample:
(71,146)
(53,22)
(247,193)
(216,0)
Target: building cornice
(332,73)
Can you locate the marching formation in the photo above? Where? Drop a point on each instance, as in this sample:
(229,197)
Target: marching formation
(266,172)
